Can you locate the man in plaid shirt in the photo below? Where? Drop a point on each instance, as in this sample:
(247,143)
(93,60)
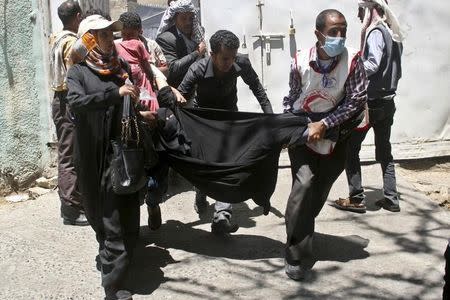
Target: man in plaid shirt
(329,83)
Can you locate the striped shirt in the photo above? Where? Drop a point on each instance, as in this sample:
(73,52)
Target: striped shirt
(355,91)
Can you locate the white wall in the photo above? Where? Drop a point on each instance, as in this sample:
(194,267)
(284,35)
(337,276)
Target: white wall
(422,123)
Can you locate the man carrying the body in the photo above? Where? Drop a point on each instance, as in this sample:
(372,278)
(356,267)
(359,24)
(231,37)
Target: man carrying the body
(382,49)
(71,208)
(214,79)
(328,82)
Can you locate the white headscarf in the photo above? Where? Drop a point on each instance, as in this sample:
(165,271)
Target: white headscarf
(389,19)
(182,6)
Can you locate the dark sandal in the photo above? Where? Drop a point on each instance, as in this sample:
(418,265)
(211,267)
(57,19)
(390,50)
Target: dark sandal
(346,204)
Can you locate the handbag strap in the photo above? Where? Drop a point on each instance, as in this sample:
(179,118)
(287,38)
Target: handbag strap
(125,134)
(129,120)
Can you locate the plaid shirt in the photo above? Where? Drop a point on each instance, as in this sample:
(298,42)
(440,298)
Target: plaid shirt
(355,91)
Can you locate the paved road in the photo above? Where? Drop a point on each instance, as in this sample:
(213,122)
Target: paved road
(377,255)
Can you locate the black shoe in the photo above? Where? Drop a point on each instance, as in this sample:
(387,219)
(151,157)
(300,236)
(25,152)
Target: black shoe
(200,204)
(295,272)
(113,293)
(154,217)
(80,221)
(223,226)
(388,205)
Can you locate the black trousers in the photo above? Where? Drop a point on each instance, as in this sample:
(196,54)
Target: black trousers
(115,220)
(382,118)
(313,176)
(67,178)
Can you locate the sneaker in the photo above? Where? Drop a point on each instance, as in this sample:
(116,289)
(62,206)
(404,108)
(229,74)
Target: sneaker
(223,226)
(154,217)
(200,204)
(388,205)
(295,272)
(80,221)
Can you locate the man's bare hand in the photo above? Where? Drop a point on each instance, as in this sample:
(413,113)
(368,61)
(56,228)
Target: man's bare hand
(201,48)
(180,99)
(128,89)
(150,117)
(316,131)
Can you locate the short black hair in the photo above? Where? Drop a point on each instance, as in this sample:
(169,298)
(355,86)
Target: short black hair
(321,19)
(68,10)
(96,11)
(223,38)
(131,20)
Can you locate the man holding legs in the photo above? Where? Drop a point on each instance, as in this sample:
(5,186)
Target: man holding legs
(328,82)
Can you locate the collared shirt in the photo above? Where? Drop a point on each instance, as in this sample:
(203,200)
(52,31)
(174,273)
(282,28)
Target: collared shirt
(61,48)
(375,49)
(355,90)
(221,93)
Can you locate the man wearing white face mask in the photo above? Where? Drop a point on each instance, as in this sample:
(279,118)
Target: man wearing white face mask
(328,82)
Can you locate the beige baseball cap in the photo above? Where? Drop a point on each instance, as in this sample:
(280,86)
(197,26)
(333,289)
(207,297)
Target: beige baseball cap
(97,22)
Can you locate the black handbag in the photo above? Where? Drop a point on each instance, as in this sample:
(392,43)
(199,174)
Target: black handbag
(127,165)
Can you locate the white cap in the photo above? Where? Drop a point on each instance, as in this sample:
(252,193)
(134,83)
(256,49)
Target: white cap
(97,22)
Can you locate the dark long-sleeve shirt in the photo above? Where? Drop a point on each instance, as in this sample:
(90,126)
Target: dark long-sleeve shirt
(221,93)
(178,57)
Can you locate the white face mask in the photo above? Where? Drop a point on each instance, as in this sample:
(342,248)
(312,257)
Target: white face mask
(333,46)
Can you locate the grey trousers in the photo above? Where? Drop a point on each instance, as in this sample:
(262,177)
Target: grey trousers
(222,210)
(383,155)
(313,176)
(67,178)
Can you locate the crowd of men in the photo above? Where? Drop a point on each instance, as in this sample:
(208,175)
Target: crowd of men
(343,91)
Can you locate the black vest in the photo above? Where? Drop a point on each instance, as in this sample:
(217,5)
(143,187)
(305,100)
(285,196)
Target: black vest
(384,82)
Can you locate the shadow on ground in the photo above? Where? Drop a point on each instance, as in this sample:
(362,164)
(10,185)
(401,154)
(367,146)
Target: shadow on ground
(153,255)
(177,235)
(416,238)
(145,274)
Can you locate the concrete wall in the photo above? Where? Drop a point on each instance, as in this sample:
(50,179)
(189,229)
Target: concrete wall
(24,97)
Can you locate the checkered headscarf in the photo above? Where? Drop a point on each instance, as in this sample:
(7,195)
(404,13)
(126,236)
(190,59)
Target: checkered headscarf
(389,18)
(182,6)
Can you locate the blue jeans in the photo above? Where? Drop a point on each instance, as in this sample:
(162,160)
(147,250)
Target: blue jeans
(383,155)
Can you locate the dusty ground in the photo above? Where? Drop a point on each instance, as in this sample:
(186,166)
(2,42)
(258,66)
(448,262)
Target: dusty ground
(377,255)
(430,176)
